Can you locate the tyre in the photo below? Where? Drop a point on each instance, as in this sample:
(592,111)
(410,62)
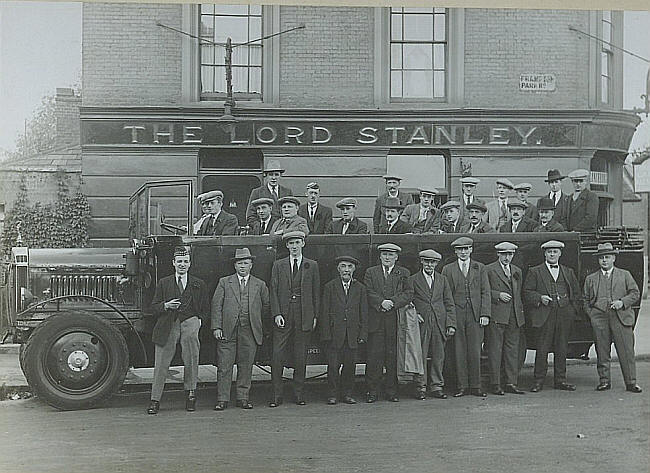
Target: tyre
(75,360)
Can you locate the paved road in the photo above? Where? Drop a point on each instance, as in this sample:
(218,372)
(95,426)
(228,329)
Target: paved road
(535,432)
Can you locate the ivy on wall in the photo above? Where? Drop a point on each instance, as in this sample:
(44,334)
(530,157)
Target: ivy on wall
(62,224)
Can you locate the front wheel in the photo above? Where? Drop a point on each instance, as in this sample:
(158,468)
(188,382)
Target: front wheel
(75,360)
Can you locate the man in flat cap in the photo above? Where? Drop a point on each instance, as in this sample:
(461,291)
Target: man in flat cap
(179,303)
(559,199)
(392,191)
(506,321)
(423,217)
(609,295)
(523,192)
(343,326)
(196,227)
(470,288)
(290,220)
(265,219)
(451,221)
(271,189)
(498,213)
(518,220)
(474,222)
(238,305)
(552,295)
(392,223)
(547,222)
(468,188)
(219,221)
(295,300)
(387,292)
(582,207)
(434,303)
(318,216)
(349,224)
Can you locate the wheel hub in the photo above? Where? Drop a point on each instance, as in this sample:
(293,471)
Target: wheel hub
(78,360)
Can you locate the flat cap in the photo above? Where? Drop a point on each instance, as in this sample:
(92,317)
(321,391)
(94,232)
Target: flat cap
(181,251)
(208,196)
(262,200)
(389,247)
(606,249)
(505,247)
(289,198)
(430,254)
(450,204)
(546,204)
(313,185)
(388,177)
(392,203)
(579,174)
(505,182)
(477,206)
(293,234)
(552,244)
(347,258)
(428,190)
(517,203)
(273,166)
(347,202)
(462,241)
(524,186)
(554,175)
(469,180)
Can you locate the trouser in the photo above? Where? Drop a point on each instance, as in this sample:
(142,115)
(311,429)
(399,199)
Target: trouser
(240,348)
(607,328)
(553,335)
(467,345)
(291,335)
(433,346)
(342,382)
(382,352)
(187,332)
(503,351)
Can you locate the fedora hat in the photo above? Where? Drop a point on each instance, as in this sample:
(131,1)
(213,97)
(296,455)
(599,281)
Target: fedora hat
(243,253)
(273,166)
(554,175)
(606,249)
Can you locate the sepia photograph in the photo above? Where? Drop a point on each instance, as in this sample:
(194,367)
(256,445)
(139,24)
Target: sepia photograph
(324,236)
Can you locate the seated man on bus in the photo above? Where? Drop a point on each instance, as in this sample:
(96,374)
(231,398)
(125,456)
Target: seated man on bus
(265,218)
(219,222)
(290,220)
(349,224)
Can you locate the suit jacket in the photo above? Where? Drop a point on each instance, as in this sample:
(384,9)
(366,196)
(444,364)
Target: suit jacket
(378,216)
(400,227)
(463,210)
(226,224)
(343,314)
(493,212)
(283,225)
(411,215)
(483,227)
(256,227)
(309,287)
(525,225)
(624,287)
(374,282)
(446,227)
(322,223)
(551,226)
(539,282)
(434,305)
(263,191)
(355,227)
(500,283)
(479,285)
(582,215)
(226,304)
(194,302)
(560,209)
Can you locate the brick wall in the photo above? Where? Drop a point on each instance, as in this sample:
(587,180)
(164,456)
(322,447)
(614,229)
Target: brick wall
(66,112)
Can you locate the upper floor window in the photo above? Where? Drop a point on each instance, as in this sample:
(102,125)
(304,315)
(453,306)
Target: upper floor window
(418,54)
(606,57)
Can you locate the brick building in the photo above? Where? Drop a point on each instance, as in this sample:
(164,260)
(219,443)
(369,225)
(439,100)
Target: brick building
(358,92)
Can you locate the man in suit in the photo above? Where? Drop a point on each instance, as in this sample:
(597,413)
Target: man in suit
(582,206)
(497,213)
(434,303)
(349,224)
(468,187)
(474,222)
(506,321)
(518,220)
(559,199)
(295,300)
(471,291)
(552,295)
(290,220)
(238,304)
(265,219)
(318,216)
(179,304)
(392,191)
(392,223)
(387,292)
(547,223)
(423,217)
(343,326)
(271,189)
(523,191)
(451,221)
(609,295)
(196,227)
(219,221)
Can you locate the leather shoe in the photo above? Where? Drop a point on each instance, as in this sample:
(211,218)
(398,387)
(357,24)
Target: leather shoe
(349,400)
(438,394)
(565,386)
(190,402)
(512,389)
(537,387)
(421,395)
(275,402)
(370,398)
(331,401)
(477,392)
(496,389)
(459,393)
(393,398)
(604,386)
(154,407)
(220,406)
(633,388)
(244,404)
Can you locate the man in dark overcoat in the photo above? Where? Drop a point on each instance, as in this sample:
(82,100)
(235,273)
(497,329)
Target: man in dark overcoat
(547,221)
(559,199)
(582,205)
(349,224)
(265,218)
(518,221)
(318,216)
(271,189)
(392,223)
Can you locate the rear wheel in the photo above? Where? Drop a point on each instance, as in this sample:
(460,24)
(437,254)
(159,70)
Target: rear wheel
(75,360)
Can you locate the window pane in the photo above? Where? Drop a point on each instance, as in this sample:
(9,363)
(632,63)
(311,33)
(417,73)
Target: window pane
(438,56)
(604,89)
(440,10)
(219,55)
(418,10)
(439,30)
(417,56)
(256,55)
(439,84)
(418,27)
(207,28)
(233,27)
(231,9)
(255,80)
(207,77)
(207,54)
(240,79)
(418,84)
(395,56)
(604,64)
(255,28)
(396,84)
(256,9)
(207,8)
(607,33)
(220,79)
(240,56)
(396,27)
(607,15)
(396,9)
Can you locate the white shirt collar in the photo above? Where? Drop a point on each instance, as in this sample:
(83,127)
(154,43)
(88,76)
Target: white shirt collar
(245,278)
(461,263)
(183,278)
(299,259)
(389,270)
(427,277)
(607,273)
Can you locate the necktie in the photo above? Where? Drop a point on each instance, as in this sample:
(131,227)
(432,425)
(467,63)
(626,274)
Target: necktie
(263,228)
(242,284)
(554,198)
(312,213)
(295,267)
(506,269)
(503,208)
(386,273)
(274,191)
(607,274)
(464,268)
(514,226)
(345,228)
(180,284)
(346,287)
